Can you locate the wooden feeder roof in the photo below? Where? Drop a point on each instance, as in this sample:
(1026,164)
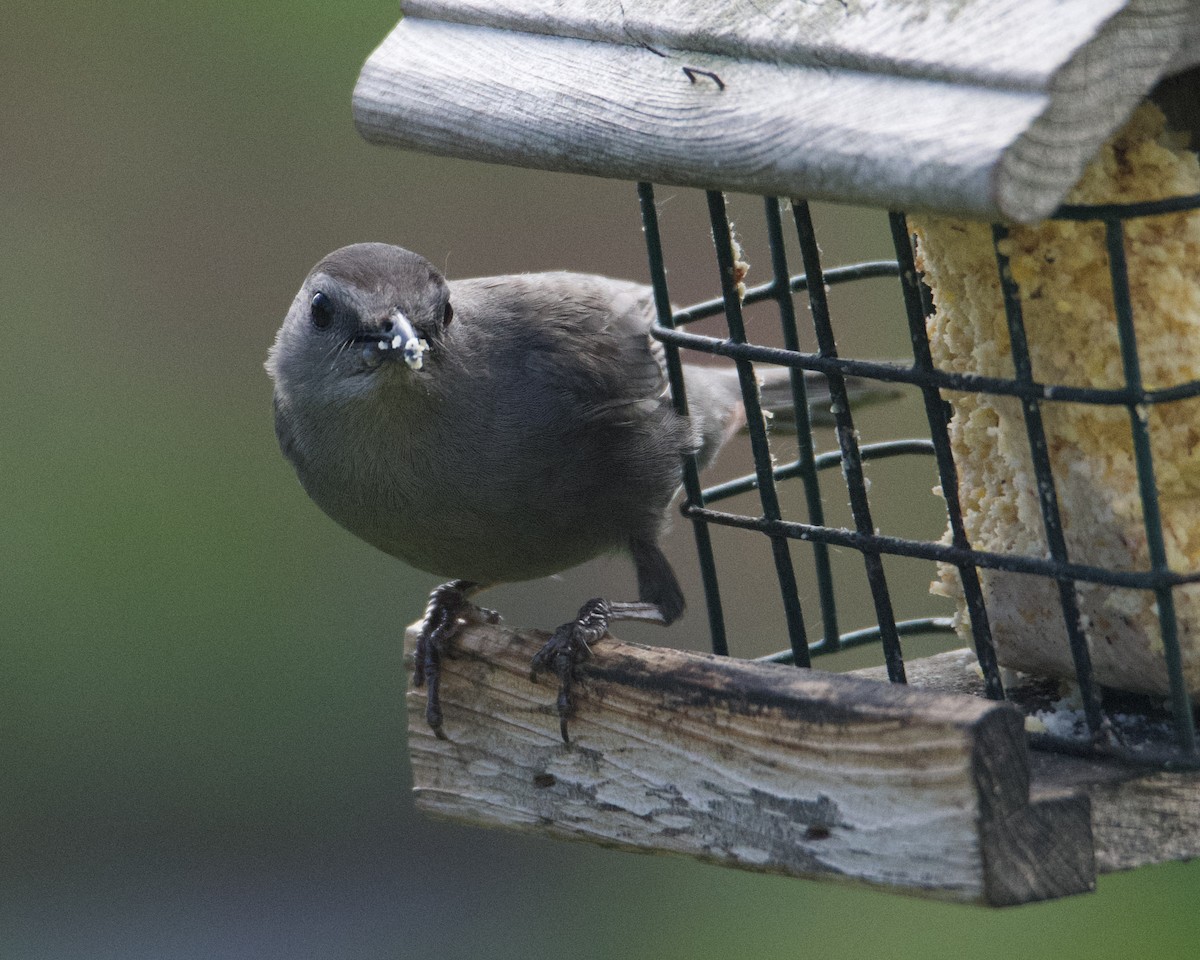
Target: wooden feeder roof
(988,108)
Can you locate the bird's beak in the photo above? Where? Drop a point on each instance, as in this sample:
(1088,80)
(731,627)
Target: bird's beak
(396,334)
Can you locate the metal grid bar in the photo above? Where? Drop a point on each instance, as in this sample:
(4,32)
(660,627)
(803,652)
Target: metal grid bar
(693,493)
(1056,541)
(822,461)
(770,291)
(757,427)
(1181,704)
(936,414)
(852,469)
(806,462)
(960,382)
(858,638)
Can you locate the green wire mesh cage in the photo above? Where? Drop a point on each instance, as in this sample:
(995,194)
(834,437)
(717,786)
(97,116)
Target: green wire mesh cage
(1107,714)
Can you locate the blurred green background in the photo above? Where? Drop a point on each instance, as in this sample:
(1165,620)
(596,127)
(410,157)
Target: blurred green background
(202,750)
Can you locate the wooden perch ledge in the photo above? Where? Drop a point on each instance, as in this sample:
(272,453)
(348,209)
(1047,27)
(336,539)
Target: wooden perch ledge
(753,765)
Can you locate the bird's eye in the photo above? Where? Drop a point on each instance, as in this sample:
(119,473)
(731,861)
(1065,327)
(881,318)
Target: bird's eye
(448,315)
(321,309)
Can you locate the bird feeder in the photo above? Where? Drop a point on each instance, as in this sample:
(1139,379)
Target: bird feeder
(1047,251)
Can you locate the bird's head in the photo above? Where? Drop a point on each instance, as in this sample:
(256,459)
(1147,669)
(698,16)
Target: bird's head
(367,315)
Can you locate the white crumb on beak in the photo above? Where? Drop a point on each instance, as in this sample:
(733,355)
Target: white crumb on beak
(414,352)
(414,349)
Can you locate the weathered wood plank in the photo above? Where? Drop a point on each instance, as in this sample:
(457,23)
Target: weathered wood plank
(750,765)
(982,108)
(1138,818)
(621,111)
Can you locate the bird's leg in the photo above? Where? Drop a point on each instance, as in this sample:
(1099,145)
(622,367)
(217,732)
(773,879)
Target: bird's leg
(448,611)
(571,643)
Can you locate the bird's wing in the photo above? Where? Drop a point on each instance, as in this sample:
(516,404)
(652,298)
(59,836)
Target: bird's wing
(590,334)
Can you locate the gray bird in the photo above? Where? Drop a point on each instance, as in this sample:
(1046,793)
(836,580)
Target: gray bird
(494,430)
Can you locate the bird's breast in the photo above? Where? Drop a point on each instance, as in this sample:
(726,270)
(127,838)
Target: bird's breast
(446,495)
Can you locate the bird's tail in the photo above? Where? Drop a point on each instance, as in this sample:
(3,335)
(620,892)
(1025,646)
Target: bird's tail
(716,410)
(775,389)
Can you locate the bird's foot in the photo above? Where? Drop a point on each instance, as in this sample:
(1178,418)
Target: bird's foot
(570,645)
(448,611)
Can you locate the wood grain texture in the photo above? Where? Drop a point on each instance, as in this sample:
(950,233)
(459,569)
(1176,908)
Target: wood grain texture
(985,108)
(1138,818)
(621,111)
(751,765)
(1009,43)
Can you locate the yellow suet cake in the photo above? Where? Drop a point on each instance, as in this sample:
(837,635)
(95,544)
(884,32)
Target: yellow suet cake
(1061,269)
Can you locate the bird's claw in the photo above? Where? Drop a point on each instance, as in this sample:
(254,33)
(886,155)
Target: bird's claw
(447,612)
(567,647)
